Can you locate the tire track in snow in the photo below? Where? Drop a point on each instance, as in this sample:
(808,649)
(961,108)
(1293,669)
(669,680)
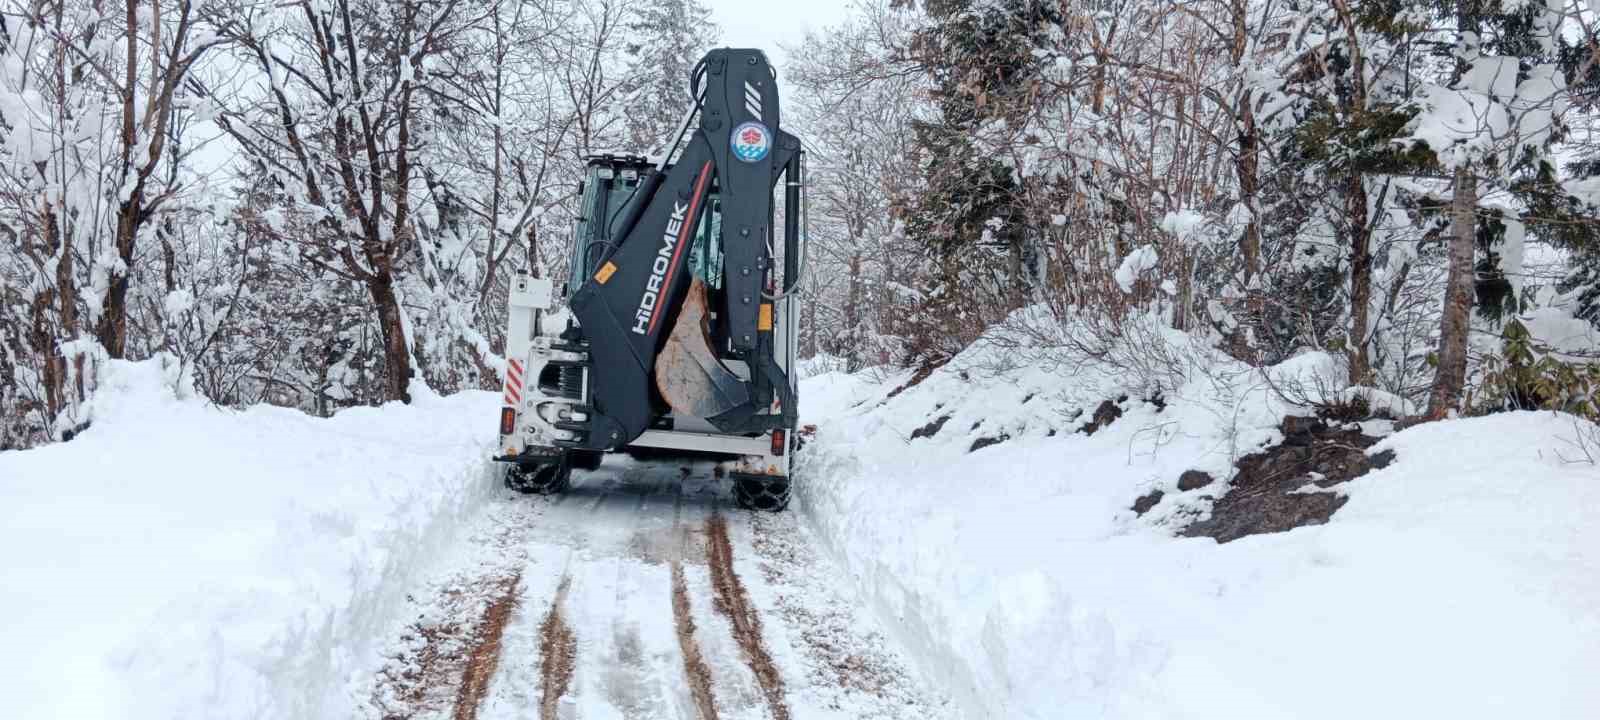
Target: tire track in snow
(484,656)
(631,604)
(459,617)
(695,670)
(733,601)
(557,652)
(840,658)
(617,608)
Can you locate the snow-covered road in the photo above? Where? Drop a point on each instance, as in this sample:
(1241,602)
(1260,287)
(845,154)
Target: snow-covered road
(641,592)
(184,560)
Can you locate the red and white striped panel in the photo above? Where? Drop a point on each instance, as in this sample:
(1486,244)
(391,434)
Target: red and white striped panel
(513,382)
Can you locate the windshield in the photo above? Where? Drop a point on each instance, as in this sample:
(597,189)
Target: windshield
(705,257)
(604,193)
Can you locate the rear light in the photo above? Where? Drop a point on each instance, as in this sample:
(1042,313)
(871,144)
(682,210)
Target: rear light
(508,420)
(779,442)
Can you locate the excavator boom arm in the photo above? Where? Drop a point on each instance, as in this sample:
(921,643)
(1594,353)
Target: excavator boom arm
(629,307)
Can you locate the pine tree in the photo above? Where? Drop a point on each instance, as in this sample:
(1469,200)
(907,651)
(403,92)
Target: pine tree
(1349,108)
(970,212)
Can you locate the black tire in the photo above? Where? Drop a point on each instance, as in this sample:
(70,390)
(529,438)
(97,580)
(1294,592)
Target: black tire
(539,479)
(765,493)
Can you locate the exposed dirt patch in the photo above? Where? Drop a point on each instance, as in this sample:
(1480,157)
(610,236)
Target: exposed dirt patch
(917,377)
(694,664)
(932,428)
(1193,480)
(984,442)
(558,649)
(1147,501)
(734,602)
(1281,487)
(806,434)
(423,669)
(484,654)
(1107,413)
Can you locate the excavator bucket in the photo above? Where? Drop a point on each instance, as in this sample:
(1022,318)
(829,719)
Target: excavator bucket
(688,374)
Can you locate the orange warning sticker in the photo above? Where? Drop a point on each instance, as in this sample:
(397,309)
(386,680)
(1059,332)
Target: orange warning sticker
(605,272)
(764,322)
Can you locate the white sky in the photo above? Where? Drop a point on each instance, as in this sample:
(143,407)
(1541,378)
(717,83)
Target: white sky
(764,24)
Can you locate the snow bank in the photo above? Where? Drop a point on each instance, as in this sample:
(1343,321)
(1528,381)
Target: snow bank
(181,560)
(1461,581)
(1135,264)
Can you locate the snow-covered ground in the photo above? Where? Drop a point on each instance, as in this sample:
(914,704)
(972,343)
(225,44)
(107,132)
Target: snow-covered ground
(1461,581)
(179,560)
(641,592)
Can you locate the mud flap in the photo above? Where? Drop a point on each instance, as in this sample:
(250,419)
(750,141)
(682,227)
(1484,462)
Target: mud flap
(688,374)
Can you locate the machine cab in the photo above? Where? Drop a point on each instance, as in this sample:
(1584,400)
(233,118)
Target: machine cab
(608,186)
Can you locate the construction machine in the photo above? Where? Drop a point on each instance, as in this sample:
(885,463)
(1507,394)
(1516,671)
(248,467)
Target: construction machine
(674,328)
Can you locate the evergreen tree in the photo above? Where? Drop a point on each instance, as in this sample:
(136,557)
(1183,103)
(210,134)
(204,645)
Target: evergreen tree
(969,212)
(1349,106)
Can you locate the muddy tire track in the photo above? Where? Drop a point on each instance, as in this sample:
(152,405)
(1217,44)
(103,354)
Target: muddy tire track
(485,653)
(694,664)
(451,653)
(558,651)
(424,669)
(846,662)
(733,601)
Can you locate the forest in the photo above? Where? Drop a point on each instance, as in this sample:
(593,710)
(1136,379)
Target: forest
(320,204)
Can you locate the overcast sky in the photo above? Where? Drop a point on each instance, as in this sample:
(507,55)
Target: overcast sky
(766,23)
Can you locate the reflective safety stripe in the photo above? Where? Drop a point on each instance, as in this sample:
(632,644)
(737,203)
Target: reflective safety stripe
(513,382)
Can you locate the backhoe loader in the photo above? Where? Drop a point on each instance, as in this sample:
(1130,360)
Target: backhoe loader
(674,328)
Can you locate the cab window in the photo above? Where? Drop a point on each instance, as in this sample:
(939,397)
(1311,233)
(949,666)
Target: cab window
(705,256)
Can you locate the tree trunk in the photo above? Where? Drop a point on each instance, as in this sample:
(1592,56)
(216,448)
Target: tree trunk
(1246,166)
(852,314)
(1180,311)
(1360,371)
(396,353)
(113,327)
(1451,375)
(808,331)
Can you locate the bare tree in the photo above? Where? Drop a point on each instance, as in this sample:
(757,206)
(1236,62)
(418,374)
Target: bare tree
(346,87)
(148,86)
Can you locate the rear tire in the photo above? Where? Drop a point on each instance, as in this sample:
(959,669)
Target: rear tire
(539,479)
(764,493)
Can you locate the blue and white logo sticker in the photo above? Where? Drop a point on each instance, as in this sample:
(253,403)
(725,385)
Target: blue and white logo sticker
(751,142)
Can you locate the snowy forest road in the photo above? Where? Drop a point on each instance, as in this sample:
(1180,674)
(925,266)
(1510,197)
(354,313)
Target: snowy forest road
(641,592)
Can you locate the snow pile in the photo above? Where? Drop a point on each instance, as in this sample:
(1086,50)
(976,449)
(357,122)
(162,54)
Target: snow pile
(1135,264)
(180,560)
(1462,581)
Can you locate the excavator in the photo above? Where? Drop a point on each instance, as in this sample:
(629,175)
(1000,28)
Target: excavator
(674,329)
